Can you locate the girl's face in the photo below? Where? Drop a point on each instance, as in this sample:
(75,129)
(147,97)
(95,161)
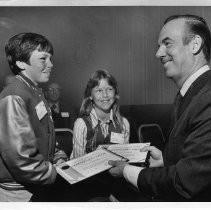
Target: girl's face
(103,96)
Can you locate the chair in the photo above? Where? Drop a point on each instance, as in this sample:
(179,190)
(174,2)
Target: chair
(151,133)
(64,140)
(133,131)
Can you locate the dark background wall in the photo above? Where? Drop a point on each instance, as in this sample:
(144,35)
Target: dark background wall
(122,40)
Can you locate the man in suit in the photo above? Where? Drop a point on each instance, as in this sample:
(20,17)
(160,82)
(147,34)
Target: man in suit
(183,171)
(63,116)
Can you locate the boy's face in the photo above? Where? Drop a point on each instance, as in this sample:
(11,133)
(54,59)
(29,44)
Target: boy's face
(39,67)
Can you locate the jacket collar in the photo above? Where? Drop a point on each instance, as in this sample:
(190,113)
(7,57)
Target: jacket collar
(28,82)
(192,78)
(195,87)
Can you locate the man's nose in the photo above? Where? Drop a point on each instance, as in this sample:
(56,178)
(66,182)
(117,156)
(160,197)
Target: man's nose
(160,52)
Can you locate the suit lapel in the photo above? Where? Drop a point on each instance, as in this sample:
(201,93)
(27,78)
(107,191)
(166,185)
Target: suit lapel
(192,91)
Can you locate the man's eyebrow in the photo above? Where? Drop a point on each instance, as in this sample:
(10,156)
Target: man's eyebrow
(166,39)
(163,41)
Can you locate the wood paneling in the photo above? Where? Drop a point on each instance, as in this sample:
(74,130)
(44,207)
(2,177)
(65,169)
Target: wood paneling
(122,40)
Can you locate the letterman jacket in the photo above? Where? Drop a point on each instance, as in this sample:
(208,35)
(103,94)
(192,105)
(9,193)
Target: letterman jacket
(27,138)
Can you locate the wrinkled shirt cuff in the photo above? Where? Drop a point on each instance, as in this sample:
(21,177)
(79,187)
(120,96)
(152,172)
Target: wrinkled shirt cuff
(131,173)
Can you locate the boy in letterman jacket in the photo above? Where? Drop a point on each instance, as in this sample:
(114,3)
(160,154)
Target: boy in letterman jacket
(27,139)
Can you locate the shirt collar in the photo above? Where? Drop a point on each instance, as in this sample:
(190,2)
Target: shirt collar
(51,104)
(95,117)
(192,78)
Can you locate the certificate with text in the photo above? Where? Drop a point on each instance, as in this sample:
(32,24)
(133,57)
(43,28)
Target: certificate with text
(130,151)
(88,165)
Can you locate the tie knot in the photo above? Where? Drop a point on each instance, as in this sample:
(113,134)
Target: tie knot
(54,106)
(109,122)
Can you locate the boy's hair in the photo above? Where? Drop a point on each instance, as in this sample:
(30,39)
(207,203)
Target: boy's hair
(20,47)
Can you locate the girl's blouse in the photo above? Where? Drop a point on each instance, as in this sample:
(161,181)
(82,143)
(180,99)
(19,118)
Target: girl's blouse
(80,132)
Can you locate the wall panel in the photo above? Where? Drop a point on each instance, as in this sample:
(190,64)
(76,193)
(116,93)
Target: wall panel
(120,39)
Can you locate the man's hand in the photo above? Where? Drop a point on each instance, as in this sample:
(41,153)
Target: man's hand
(117,170)
(156,157)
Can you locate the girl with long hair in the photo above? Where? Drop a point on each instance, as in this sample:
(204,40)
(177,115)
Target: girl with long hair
(100,121)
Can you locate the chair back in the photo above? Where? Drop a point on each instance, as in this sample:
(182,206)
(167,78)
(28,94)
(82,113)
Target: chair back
(64,139)
(133,131)
(151,133)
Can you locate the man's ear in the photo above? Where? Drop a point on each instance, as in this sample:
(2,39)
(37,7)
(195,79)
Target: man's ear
(21,65)
(196,44)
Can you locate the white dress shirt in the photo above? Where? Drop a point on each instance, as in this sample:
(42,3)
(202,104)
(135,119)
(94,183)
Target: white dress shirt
(186,85)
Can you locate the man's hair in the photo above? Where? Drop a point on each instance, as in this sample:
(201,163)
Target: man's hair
(21,46)
(53,85)
(196,26)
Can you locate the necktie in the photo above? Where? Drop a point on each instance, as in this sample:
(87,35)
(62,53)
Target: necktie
(55,108)
(97,136)
(175,111)
(177,104)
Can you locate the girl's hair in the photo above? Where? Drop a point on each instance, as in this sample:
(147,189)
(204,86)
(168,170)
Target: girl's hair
(87,103)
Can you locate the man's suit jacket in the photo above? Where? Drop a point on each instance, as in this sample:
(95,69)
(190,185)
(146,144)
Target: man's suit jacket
(186,174)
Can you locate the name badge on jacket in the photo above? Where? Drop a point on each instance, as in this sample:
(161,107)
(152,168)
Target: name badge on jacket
(65,114)
(117,138)
(41,110)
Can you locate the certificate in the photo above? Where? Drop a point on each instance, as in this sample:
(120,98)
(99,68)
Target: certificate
(88,165)
(130,151)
